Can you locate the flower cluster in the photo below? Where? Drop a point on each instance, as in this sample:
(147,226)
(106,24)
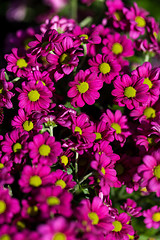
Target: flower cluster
(80,120)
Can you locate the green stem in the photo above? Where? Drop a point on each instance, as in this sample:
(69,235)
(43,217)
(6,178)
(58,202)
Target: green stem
(74,9)
(85,177)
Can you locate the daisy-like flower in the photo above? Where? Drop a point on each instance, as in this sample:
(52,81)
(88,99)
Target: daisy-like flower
(34,96)
(151,78)
(107,174)
(83,128)
(152,217)
(84,88)
(15,145)
(44,149)
(130,91)
(118,45)
(61,25)
(94,216)
(149,172)
(8,206)
(43,77)
(105,66)
(57,228)
(63,179)
(130,206)
(54,200)
(122,228)
(5,93)
(65,57)
(115,14)
(137,20)
(34,177)
(24,122)
(117,124)
(18,63)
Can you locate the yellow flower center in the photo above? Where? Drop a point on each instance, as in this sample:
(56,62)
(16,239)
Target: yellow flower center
(44,150)
(118,15)
(130,237)
(156,217)
(35,181)
(20,225)
(32,211)
(33,95)
(2,206)
(140,21)
(17,147)
(83,87)
(28,126)
(26,43)
(148,82)
(117,48)
(103,170)
(64,58)
(130,92)
(119,169)
(60,183)
(64,160)
(117,226)
(149,112)
(59,236)
(78,129)
(94,217)
(155,35)
(85,36)
(21,63)
(1,165)
(5,237)
(1,90)
(104,68)
(98,136)
(53,201)
(157,171)
(116,127)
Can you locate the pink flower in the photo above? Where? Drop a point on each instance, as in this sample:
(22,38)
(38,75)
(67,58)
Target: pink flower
(64,58)
(130,91)
(44,149)
(149,172)
(5,93)
(15,145)
(94,216)
(117,124)
(115,14)
(130,206)
(54,200)
(84,88)
(57,228)
(122,228)
(152,217)
(151,78)
(105,66)
(106,173)
(34,177)
(9,206)
(18,63)
(59,24)
(34,96)
(137,20)
(63,179)
(119,46)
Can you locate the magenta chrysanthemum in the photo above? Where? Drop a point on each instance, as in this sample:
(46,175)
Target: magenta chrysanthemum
(44,149)
(130,91)
(84,88)
(34,96)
